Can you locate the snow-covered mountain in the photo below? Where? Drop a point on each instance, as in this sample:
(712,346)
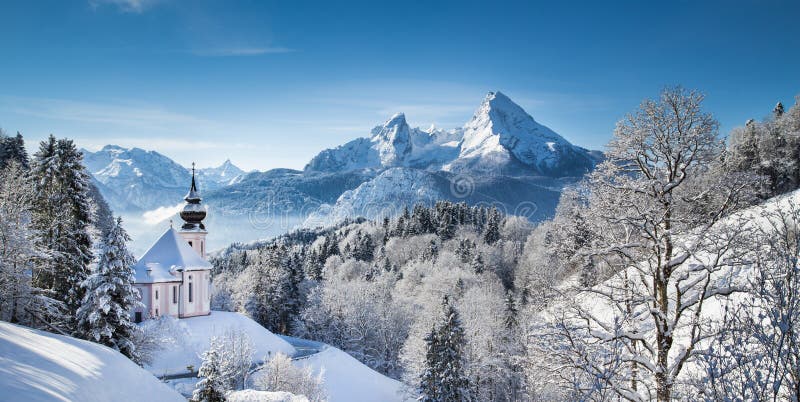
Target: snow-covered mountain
(222,175)
(500,138)
(392,144)
(135,179)
(501,156)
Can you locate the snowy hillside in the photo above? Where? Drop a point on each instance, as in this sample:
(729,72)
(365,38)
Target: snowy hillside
(348,380)
(39,366)
(188,338)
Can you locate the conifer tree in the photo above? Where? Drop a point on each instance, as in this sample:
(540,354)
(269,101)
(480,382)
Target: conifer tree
(12,149)
(104,316)
(444,379)
(477,264)
(211,387)
(492,233)
(62,218)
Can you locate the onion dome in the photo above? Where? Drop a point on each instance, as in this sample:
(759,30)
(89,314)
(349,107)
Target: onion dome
(193,213)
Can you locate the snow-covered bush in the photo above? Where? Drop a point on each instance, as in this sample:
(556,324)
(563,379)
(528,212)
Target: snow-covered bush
(279,374)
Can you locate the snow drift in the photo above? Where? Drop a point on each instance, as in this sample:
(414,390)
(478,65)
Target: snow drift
(39,366)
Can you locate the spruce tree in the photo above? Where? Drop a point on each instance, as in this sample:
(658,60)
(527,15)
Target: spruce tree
(62,218)
(778,110)
(12,149)
(444,379)
(477,264)
(104,316)
(492,233)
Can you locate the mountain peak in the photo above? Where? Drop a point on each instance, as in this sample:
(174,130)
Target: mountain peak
(398,119)
(501,133)
(499,102)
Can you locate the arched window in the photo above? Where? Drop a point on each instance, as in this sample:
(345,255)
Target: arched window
(190,289)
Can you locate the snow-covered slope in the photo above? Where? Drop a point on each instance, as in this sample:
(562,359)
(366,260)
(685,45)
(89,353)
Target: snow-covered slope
(39,366)
(348,380)
(193,337)
(385,195)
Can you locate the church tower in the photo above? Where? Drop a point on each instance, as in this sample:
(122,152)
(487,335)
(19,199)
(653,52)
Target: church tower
(193,230)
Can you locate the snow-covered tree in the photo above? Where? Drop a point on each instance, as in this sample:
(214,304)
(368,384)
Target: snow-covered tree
(20,301)
(12,149)
(104,316)
(279,374)
(211,387)
(444,379)
(662,238)
(61,217)
(757,354)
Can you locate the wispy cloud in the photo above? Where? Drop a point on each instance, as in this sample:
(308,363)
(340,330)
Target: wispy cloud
(126,6)
(127,115)
(240,51)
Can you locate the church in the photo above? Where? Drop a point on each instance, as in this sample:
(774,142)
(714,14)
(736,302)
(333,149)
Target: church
(173,276)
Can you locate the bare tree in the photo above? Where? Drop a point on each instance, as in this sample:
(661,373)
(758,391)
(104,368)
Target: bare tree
(656,213)
(757,356)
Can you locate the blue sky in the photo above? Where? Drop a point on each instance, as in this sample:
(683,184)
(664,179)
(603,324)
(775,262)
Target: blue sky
(269,84)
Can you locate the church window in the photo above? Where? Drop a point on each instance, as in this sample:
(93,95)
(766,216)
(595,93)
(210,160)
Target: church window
(190,292)
(174,294)
(156,296)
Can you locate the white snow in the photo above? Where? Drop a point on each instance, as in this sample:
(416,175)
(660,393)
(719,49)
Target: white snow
(251,395)
(385,195)
(39,366)
(195,335)
(502,127)
(348,380)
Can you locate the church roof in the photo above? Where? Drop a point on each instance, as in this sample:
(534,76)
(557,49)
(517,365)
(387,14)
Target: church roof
(169,255)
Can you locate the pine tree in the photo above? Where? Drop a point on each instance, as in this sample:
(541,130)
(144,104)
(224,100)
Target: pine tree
(492,233)
(444,379)
(104,316)
(778,110)
(477,264)
(13,149)
(62,218)
(211,387)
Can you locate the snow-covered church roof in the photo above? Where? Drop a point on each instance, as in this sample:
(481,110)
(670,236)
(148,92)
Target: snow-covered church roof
(169,255)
